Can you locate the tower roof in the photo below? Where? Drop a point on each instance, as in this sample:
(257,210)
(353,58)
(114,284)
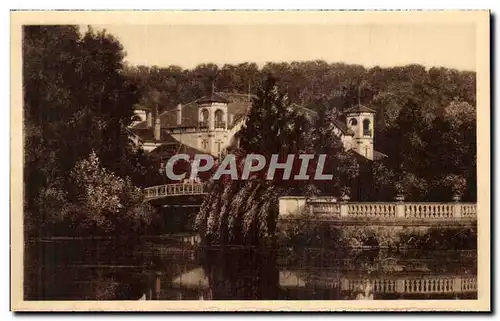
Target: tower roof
(213,98)
(141,107)
(359,109)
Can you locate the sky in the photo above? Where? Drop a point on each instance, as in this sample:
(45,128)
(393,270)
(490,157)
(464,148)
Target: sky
(448,45)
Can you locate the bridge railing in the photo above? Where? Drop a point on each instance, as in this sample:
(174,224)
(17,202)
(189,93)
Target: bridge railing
(174,190)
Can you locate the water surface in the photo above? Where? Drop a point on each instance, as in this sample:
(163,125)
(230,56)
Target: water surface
(171,268)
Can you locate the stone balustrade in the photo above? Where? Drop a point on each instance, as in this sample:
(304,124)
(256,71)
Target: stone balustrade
(429,210)
(468,210)
(294,206)
(423,285)
(371,209)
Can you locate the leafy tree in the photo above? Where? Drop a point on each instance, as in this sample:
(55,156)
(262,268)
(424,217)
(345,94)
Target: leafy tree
(105,203)
(339,162)
(245,211)
(76,100)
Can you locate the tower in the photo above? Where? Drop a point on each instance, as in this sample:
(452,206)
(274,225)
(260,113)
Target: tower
(212,118)
(360,119)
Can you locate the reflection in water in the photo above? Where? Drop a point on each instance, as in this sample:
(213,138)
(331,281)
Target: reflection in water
(365,291)
(161,270)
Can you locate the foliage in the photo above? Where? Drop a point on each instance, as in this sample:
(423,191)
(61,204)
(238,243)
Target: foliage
(246,211)
(77,99)
(106,202)
(425,120)
(306,232)
(455,183)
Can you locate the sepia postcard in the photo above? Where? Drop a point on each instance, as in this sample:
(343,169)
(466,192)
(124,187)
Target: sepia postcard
(250,161)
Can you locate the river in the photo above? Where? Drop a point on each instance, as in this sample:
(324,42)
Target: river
(171,268)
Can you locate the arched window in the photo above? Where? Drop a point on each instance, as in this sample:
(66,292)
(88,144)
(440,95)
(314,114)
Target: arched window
(205,117)
(353,122)
(366,128)
(219,119)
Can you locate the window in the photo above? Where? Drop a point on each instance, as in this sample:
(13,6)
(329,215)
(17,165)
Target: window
(219,119)
(219,144)
(204,144)
(366,128)
(353,122)
(205,117)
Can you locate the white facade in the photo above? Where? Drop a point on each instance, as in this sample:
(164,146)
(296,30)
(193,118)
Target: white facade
(211,129)
(213,136)
(361,125)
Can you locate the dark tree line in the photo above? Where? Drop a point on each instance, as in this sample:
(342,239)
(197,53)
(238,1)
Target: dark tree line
(425,121)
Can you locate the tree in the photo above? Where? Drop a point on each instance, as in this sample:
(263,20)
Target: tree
(245,212)
(76,100)
(339,162)
(106,203)
(414,106)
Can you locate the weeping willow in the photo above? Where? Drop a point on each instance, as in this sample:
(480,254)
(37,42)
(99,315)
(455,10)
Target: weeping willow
(245,212)
(238,212)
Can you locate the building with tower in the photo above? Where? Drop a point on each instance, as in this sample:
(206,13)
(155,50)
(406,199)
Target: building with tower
(209,125)
(360,121)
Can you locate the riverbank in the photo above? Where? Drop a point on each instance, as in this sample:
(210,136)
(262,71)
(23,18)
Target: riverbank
(316,233)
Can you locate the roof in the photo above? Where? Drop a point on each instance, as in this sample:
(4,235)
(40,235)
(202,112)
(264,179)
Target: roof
(166,151)
(359,109)
(378,155)
(141,107)
(213,98)
(360,158)
(147,135)
(237,105)
(342,127)
(337,122)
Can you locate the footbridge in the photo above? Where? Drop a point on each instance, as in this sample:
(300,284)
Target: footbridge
(176,195)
